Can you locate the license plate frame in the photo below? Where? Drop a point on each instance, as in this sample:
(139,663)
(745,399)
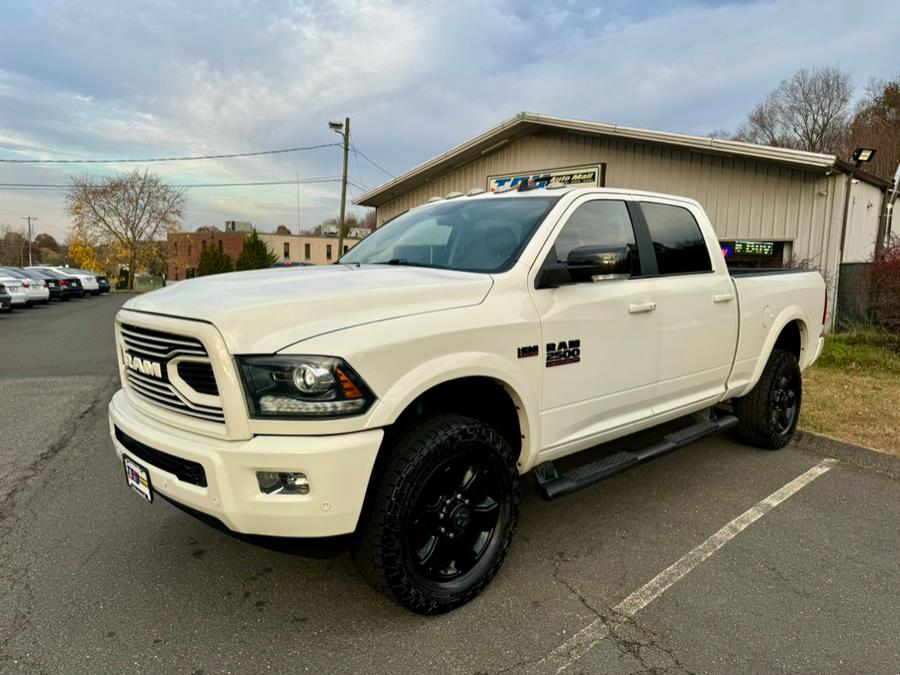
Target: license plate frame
(137,478)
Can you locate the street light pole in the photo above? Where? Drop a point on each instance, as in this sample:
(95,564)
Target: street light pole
(346,135)
(344,130)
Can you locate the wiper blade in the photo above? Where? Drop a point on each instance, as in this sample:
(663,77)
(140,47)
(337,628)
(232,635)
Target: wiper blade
(398,261)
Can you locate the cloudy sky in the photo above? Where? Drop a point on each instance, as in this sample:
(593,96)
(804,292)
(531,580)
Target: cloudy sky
(92,79)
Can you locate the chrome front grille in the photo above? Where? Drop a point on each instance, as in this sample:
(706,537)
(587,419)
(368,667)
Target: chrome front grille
(149,347)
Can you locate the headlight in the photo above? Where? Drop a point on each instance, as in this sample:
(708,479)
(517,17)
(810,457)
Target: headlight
(302,387)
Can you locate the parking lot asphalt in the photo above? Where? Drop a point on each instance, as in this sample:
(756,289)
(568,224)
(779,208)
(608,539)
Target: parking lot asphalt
(717,558)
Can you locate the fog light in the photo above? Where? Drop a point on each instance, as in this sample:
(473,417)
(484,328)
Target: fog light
(278,482)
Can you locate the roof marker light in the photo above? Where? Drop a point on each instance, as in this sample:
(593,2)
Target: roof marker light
(475,191)
(431,200)
(453,195)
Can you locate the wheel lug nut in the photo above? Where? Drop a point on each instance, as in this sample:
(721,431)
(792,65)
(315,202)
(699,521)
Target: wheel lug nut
(443,529)
(467,502)
(441,515)
(450,535)
(458,496)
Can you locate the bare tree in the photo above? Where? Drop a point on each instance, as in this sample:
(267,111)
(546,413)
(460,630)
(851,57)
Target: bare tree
(129,211)
(876,124)
(808,111)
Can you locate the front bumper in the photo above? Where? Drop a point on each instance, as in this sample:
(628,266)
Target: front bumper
(338,468)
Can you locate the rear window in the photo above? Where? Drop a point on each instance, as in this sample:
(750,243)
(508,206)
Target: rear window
(677,239)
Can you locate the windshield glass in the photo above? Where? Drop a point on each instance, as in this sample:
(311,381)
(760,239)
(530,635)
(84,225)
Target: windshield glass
(478,235)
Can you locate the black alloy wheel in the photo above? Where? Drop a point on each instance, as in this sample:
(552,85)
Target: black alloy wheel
(440,515)
(455,518)
(768,415)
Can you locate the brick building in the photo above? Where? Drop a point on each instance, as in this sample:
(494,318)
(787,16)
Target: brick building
(185,249)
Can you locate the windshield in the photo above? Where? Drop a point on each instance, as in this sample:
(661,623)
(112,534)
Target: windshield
(478,235)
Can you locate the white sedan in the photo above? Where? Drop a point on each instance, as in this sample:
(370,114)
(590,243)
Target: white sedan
(35,290)
(15,288)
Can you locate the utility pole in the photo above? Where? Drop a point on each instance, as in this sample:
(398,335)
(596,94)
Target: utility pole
(343,130)
(299,231)
(30,218)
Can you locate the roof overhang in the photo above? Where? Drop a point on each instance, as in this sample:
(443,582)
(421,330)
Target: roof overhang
(525,124)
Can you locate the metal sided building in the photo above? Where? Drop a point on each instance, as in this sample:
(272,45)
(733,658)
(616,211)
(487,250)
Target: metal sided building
(769,206)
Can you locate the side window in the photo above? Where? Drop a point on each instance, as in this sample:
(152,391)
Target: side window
(597,223)
(677,240)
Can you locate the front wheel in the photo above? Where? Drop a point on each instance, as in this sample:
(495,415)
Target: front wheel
(767,416)
(442,515)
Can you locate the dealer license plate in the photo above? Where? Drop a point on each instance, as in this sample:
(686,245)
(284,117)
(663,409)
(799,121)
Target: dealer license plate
(138,478)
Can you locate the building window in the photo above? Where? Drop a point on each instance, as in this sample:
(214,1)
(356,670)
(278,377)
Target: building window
(175,247)
(306,252)
(203,245)
(742,253)
(191,273)
(287,250)
(328,251)
(176,274)
(189,249)
(346,248)
(221,247)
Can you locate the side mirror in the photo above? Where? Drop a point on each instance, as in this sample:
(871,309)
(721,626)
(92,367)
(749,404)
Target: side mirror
(599,263)
(588,263)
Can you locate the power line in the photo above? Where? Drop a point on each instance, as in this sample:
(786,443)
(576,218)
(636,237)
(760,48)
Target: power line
(168,159)
(373,162)
(62,186)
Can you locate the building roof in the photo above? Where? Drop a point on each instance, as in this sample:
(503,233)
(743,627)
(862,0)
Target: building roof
(525,124)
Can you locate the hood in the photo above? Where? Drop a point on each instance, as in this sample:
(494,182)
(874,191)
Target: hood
(264,311)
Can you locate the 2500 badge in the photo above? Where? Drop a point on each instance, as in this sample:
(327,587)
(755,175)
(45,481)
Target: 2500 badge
(564,352)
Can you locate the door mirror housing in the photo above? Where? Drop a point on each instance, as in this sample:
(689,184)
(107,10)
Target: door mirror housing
(588,263)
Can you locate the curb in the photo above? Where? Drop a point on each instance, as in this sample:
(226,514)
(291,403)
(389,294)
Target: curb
(856,455)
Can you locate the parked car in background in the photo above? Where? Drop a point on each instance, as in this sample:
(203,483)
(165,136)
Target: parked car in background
(36,291)
(15,289)
(53,283)
(71,285)
(5,299)
(88,279)
(73,279)
(103,283)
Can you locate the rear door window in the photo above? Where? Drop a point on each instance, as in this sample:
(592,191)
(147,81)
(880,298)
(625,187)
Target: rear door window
(677,239)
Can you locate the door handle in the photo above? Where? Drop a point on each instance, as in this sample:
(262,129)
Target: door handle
(641,308)
(723,297)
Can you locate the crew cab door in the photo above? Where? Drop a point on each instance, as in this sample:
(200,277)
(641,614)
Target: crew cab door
(600,336)
(696,306)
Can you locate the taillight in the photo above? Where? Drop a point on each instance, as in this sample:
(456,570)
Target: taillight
(25,284)
(64,283)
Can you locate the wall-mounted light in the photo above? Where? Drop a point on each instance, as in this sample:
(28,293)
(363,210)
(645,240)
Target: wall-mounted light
(861,155)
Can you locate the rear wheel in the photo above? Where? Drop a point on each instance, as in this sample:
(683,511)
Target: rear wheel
(767,416)
(442,517)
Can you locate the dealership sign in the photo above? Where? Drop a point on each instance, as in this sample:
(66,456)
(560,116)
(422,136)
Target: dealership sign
(581,176)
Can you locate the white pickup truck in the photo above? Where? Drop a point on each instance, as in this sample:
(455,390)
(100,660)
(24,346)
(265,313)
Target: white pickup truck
(401,394)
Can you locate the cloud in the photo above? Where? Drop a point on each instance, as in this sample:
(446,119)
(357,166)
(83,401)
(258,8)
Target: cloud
(157,78)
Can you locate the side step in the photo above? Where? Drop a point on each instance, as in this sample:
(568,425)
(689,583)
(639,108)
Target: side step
(552,484)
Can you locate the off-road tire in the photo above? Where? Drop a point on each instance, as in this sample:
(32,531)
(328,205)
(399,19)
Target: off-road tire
(380,548)
(755,410)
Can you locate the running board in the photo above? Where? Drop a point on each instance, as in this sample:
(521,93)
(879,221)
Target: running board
(552,484)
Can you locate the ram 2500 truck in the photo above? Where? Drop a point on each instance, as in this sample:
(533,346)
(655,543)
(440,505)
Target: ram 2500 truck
(400,395)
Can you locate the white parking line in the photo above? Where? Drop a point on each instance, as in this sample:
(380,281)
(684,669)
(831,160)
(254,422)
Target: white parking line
(579,644)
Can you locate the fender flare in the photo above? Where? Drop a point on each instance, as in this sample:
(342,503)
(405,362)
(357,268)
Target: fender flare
(434,372)
(788,315)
